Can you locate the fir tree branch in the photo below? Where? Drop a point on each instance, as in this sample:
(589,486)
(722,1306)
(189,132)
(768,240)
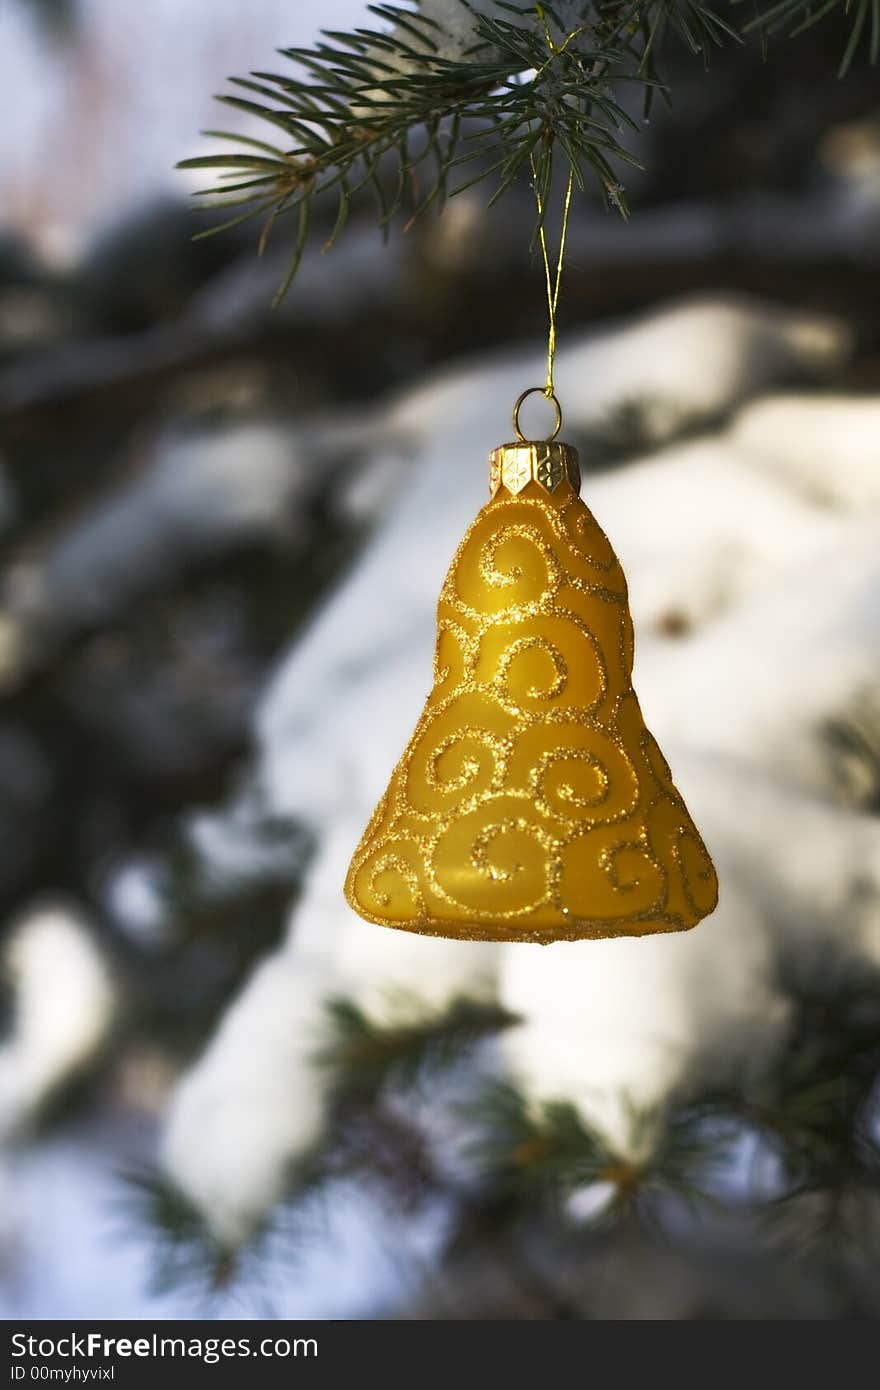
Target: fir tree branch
(816,1107)
(409,116)
(360,1056)
(795,16)
(546,1152)
(383,110)
(185,1252)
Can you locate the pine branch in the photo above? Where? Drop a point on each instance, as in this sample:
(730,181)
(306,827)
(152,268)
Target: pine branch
(547,1152)
(816,1108)
(409,117)
(186,1253)
(700,28)
(796,16)
(361,1056)
(186,1250)
(388,112)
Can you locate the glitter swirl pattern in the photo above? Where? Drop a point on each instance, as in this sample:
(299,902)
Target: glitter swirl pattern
(531,803)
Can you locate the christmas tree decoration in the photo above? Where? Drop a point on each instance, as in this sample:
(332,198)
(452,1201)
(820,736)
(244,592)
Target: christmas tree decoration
(532,803)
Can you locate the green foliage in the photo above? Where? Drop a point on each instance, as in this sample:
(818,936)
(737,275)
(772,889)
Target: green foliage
(186,1252)
(852,742)
(363,1137)
(795,16)
(546,1152)
(387,110)
(58,17)
(218,925)
(361,1056)
(818,1109)
(813,1115)
(700,28)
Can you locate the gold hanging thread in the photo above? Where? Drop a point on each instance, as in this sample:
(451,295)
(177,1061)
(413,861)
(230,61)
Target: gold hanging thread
(553,283)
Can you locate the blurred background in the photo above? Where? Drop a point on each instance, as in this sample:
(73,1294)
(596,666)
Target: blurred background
(223,530)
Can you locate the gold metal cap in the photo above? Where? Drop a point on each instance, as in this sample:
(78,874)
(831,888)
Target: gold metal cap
(545,461)
(514,466)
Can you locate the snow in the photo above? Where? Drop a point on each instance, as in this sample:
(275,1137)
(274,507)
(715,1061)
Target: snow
(252,1096)
(615,1026)
(825,448)
(765,678)
(196,494)
(63,1003)
(456,22)
(133,894)
(68,1193)
(752,529)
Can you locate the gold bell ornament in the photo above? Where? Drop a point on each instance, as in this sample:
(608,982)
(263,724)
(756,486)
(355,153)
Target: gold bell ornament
(532,803)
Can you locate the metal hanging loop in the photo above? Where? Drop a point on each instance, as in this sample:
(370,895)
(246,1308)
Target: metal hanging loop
(548,396)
